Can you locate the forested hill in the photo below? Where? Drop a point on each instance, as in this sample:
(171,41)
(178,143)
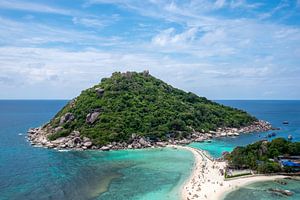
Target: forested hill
(138,103)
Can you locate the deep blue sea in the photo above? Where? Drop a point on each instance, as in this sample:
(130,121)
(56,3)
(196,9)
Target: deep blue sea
(37,173)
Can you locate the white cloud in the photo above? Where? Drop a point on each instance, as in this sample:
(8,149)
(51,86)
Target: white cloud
(169,37)
(220,3)
(190,48)
(34,7)
(88,22)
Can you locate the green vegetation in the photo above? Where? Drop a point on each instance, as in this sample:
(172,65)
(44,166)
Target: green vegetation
(262,155)
(144,105)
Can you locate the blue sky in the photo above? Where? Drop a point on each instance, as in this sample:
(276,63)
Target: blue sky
(221,49)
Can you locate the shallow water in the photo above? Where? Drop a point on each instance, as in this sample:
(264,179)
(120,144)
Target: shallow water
(274,112)
(259,191)
(38,173)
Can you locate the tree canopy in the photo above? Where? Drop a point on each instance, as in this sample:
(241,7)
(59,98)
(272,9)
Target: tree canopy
(139,103)
(258,156)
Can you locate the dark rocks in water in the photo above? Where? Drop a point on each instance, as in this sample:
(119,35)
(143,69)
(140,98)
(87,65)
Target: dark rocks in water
(280,182)
(68,117)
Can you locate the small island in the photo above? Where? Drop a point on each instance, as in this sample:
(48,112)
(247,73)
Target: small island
(261,161)
(263,157)
(136,110)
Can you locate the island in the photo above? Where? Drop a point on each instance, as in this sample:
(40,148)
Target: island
(212,178)
(264,157)
(133,110)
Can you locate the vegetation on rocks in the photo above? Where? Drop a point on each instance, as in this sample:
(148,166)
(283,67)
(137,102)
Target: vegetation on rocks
(262,156)
(138,103)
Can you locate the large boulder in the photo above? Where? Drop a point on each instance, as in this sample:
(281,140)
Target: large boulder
(75,133)
(105,148)
(99,91)
(70,144)
(58,129)
(77,140)
(59,141)
(88,144)
(68,117)
(91,117)
(143,142)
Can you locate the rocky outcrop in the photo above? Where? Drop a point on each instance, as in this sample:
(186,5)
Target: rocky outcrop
(99,91)
(92,117)
(68,117)
(39,137)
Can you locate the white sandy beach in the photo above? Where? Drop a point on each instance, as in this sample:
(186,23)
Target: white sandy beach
(206,181)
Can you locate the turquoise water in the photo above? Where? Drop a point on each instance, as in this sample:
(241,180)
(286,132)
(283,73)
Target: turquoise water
(37,173)
(273,111)
(259,191)
(215,148)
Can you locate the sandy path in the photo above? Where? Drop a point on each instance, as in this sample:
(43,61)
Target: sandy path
(206,181)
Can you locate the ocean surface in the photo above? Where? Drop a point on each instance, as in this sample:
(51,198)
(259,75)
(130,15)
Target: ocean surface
(37,173)
(275,112)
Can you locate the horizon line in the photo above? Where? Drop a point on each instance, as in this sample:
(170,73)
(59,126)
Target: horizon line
(33,99)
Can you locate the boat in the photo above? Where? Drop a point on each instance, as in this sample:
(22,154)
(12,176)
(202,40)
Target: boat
(273,134)
(285,122)
(284,192)
(290,137)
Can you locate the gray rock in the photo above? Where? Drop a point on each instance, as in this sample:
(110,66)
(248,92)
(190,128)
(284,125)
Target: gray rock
(77,140)
(160,144)
(60,140)
(143,142)
(146,72)
(99,91)
(70,144)
(91,117)
(133,136)
(68,117)
(58,129)
(105,148)
(76,133)
(87,144)
(86,139)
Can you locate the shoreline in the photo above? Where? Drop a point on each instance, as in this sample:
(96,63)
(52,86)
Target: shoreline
(75,140)
(206,181)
